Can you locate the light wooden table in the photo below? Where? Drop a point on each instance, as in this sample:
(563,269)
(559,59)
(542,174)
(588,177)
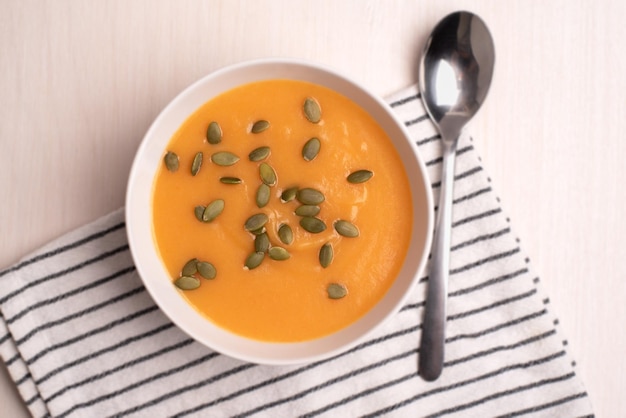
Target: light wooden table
(81,81)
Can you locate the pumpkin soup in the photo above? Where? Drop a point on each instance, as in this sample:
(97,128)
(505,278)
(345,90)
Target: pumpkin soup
(282,211)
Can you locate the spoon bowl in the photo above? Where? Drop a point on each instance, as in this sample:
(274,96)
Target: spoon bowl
(455,74)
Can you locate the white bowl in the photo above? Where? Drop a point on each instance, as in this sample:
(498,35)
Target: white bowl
(151,269)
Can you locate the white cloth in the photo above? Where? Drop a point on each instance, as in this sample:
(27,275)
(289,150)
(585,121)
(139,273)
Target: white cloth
(82,338)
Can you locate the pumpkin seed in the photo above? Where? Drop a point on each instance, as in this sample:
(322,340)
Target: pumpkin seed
(312,110)
(206,270)
(198,211)
(190,268)
(307,210)
(309,196)
(171,161)
(267,173)
(256,222)
(289,194)
(326,255)
(311,148)
(224,158)
(196,164)
(259,231)
(187,283)
(259,126)
(336,291)
(262,243)
(263,195)
(214,133)
(346,229)
(278,253)
(230,180)
(212,210)
(254,260)
(360,176)
(259,154)
(285,234)
(312,224)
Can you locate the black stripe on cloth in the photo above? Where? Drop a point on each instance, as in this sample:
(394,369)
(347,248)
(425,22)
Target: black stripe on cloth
(501,302)
(460,151)
(546,406)
(91,333)
(179,391)
(460,176)
(78,314)
(64,248)
(405,100)
(472,195)
(105,350)
(486,283)
(313,365)
(416,120)
(10,361)
(522,388)
(71,269)
(434,391)
(426,140)
(480,238)
(476,217)
(123,366)
(485,260)
(66,295)
(498,327)
(155,377)
(504,347)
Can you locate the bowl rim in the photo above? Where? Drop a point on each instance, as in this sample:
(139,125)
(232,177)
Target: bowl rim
(181,313)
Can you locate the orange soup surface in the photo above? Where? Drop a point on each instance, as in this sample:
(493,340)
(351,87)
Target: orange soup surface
(295,293)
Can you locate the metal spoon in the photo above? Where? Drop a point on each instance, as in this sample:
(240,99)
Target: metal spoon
(455,73)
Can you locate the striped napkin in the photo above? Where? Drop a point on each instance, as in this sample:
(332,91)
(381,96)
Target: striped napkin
(81,337)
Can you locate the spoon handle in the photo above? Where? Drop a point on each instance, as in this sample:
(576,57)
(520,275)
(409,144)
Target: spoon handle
(431,353)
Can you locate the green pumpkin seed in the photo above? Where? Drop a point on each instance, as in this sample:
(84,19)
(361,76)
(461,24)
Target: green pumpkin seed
(311,148)
(171,161)
(259,126)
(259,154)
(326,255)
(187,283)
(224,158)
(285,234)
(312,110)
(259,231)
(312,224)
(267,173)
(230,180)
(256,222)
(214,133)
(206,270)
(263,195)
(307,210)
(212,210)
(346,229)
(262,243)
(309,196)
(336,291)
(289,194)
(360,176)
(190,268)
(196,164)
(254,260)
(199,211)
(278,253)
